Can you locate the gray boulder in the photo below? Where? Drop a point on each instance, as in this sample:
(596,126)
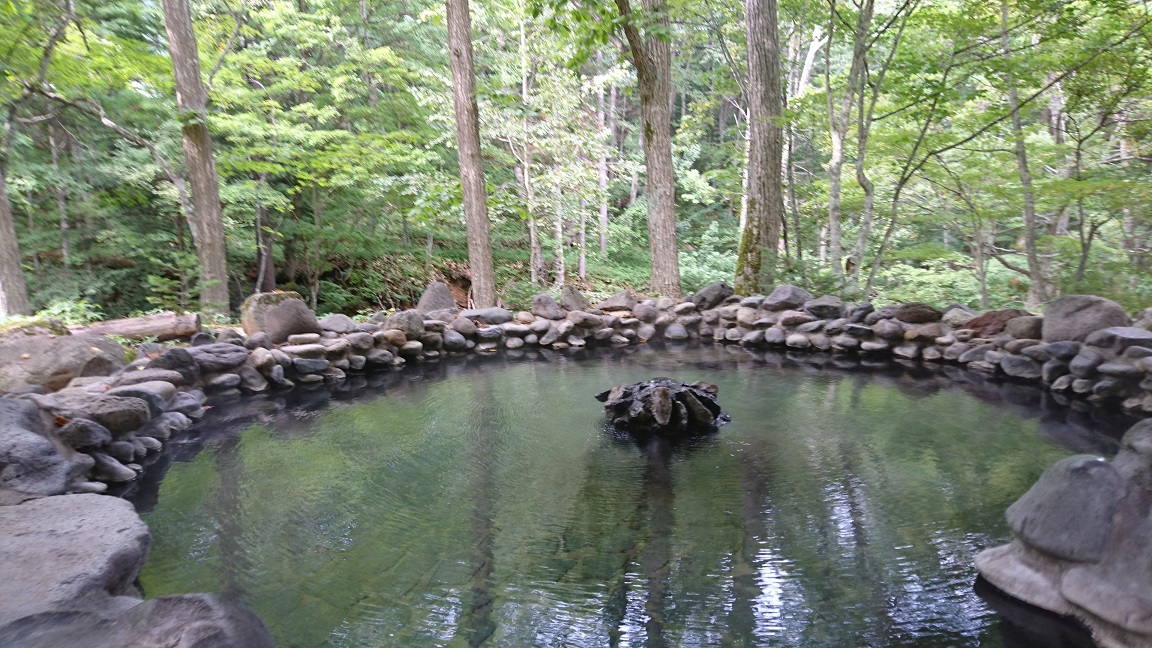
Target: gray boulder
(179,621)
(1074,317)
(786,297)
(410,322)
(491,316)
(72,552)
(1120,338)
(291,317)
(826,307)
(84,434)
(117,413)
(572,299)
(53,361)
(30,465)
(437,297)
(544,306)
(918,313)
(711,295)
(339,323)
(180,361)
(1028,327)
(621,301)
(254,309)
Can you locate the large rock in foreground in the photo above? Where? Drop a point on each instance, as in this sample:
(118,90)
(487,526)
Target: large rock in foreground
(663,407)
(1083,543)
(1074,317)
(54,360)
(71,552)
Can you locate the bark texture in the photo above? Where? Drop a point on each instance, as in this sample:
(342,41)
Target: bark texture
(468,144)
(765,199)
(652,58)
(13,292)
(192,101)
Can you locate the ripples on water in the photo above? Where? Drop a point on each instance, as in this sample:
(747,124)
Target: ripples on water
(474,505)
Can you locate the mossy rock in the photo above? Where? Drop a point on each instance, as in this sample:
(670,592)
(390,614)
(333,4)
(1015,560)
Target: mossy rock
(253,310)
(30,327)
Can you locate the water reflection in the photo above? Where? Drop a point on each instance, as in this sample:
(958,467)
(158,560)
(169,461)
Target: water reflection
(478,501)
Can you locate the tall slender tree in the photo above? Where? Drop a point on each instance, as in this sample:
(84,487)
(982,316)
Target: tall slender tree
(192,102)
(765,198)
(652,57)
(468,145)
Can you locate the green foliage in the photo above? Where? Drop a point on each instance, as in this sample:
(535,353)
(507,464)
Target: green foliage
(80,311)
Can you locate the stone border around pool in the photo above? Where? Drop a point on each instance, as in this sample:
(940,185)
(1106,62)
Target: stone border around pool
(98,430)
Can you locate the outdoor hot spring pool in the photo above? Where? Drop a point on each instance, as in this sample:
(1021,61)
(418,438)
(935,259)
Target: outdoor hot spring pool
(481,502)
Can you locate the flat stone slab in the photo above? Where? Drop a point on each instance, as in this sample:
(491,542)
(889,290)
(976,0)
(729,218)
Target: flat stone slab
(69,552)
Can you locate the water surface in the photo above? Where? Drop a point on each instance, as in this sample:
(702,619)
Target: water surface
(486,505)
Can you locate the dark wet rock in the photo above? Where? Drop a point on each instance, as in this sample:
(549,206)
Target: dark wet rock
(663,407)
(786,297)
(1053,370)
(53,361)
(543,305)
(572,299)
(1074,317)
(221,382)
(1085,363)
(109,469)
(201,338)
(711,295)
(826,307)
(339,323)
(455,341)
(1063,350)
(437,297)
(164,426)
(491,316)
(882,313)
(1021,367)
(251,380)
(180,361)
(187,404)
(292,316)
(1119,338)
(1121,370)
(311,365)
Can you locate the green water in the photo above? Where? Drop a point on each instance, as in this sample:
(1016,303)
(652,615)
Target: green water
(488,506)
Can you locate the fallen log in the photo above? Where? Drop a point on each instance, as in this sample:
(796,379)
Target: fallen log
(159,326)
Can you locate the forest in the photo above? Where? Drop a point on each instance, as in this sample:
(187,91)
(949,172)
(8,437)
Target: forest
(181,155)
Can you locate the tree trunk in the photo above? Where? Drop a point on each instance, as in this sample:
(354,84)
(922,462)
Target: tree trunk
(766,138)
(265,264)
(162,326)
(652,58)
(61,196)
(602,167)
(13,291)
(1037,290)
(838,118)
(582,268)
(468,145)
(192,100)
(536,254)
(559,241)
